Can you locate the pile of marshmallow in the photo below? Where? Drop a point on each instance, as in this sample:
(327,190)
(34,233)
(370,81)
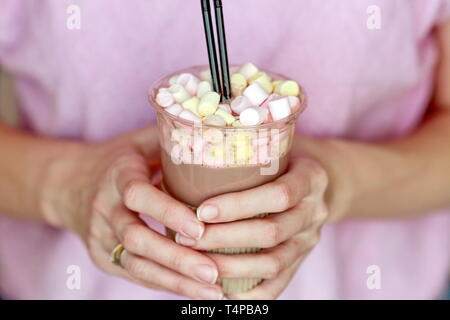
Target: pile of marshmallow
(257,98)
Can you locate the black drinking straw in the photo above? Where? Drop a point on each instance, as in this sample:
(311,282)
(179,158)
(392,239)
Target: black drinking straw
(211,44)
(223,50)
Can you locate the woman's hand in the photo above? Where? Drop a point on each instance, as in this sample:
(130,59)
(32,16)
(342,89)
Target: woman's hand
(98,196)
(297,203)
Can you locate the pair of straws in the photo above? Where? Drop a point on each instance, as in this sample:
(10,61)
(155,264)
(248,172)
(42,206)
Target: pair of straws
(224,91)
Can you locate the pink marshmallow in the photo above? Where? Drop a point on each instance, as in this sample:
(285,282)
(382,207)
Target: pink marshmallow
(189,82)
(256,94)
(294,102)
(240,104)
(225,107)
(280,108)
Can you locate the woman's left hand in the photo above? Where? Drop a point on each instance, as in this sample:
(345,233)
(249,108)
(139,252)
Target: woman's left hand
(298,210)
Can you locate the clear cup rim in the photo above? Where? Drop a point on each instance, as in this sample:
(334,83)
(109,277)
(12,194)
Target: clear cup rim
(159,109)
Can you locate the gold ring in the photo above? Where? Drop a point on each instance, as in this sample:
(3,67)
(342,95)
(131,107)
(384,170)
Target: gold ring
(116,254)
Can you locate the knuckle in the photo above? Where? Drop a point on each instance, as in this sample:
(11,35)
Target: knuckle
(98,204)
(179,286)
(131,239)
(319,176)
(273,267)
(131,193)
(137,270)
(175,261)
(284,195)
(272,233)
(321,216)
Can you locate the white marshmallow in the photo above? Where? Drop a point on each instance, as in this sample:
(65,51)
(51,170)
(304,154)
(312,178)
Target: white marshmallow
(164,98)
(174,109)
(179,93)
(248,70)
(225,107)
(240,104)
(280,108)
(256,94)
(189,115)
(251,117)
(203,87)
(214,120)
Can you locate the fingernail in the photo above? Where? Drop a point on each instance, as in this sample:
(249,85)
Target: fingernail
(210,294)
(207,213)
(192,229)
(188,242)
(206,273)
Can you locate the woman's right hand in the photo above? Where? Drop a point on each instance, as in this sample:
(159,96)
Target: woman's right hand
(99,196)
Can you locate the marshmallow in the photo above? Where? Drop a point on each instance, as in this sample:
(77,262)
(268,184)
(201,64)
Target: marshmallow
(174,109)
(179,93)
(164,98)
(238,84)
(213,136)
(272,97)
(208,104)
(173,80)
(243,147)
(275,83)
(189,81)
(252,116)
(248,70)
(225,107)
(228,117)
(294,102)
(256,94)
(214,120)
(192,105)
(288,88)
(279,108)
(189,115)
(240,104)
(264,80)
(205,75)
(203,87)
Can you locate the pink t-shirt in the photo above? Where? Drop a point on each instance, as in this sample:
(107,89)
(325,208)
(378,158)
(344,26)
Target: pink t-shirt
(363,84)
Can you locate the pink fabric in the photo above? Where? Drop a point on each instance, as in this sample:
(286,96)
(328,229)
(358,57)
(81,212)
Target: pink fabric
(363,84)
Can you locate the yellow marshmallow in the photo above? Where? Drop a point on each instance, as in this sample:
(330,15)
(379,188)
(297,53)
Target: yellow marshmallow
(263,80)
(242,146)
(288,88)
(276,83)
(208,104)
(238,84)
(192,105)
(228,117)
(237,123)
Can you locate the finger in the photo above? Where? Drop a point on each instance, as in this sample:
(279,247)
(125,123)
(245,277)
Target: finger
(270,289)
(140,240)
(139,195)
(155,274)
(252,233)
(274,197)
(266,264)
